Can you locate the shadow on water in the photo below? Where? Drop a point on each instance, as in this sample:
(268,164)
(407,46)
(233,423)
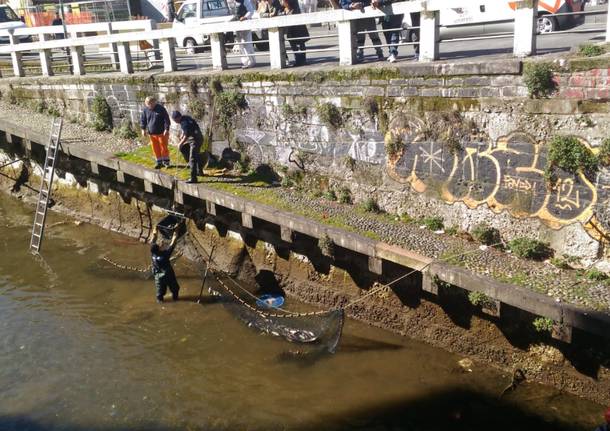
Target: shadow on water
(452,409)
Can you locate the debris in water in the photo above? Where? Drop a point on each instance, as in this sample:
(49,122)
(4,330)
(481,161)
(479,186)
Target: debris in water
(466,364)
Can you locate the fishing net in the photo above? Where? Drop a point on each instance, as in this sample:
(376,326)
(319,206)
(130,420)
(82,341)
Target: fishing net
(314,331)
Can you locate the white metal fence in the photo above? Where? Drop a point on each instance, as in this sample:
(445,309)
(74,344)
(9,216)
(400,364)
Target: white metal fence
(120,42)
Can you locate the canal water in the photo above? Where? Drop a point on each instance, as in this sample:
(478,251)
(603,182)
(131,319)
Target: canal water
(84,346)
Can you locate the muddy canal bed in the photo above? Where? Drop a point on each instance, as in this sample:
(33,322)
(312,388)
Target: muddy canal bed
(84,346)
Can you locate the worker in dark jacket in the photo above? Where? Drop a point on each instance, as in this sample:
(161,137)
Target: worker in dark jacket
(364,25)
(299,32)
(392,25)
(191,140)
(162,270)
(155,123)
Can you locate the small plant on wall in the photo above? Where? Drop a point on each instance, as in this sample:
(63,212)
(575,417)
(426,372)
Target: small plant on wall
(538,78)
(604,153)
(330,115)
(102,114)
(571,155)
(394,144)
(227,104)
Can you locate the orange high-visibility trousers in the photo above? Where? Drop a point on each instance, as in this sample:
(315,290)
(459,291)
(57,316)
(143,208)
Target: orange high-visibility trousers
(159,146)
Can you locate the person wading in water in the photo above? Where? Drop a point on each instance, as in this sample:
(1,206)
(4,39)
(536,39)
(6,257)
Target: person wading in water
(162,267)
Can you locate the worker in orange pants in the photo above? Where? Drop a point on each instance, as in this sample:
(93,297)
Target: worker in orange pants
(155,123)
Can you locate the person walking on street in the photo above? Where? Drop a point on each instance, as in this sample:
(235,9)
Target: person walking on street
(415,22)
(58,21)
(366,25)
(298,32)
(191,140)
(162,270)
(245,10)
(392,25)
(155,123)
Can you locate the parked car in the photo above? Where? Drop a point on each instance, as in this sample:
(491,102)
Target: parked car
(10,21)
(194,13)
(499,18)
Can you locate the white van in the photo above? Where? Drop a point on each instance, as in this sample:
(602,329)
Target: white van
(193,13)
(499,18)
(10,21)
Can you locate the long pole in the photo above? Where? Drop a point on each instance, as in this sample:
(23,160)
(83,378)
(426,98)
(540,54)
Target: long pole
(65,28)
(205,275)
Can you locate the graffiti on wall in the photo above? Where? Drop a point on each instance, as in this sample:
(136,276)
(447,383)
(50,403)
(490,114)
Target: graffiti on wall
(506,175)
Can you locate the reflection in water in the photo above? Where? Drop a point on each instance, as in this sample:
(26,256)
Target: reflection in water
(84,346)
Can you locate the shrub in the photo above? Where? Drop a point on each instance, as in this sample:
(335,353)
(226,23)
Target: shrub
(453,230)
(243,164)
(479,299)
(433,223)
(538,78)
(197,108)
(565,261)
(371,106)
(590,50)
(370,205)
(102,115)
(604,153)
(543,324)
(530,248)
(349,162)
(227,104)
(53,111)
(394,144)
(486,234)
(571,155)
(330,115)
(292,178)
(595,274)
(330,195)
(344,196)
(40,106)
(126,131)
(326,245)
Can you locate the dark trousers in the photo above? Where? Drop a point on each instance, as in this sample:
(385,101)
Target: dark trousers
(190,151)
(367,24)
(165,279)
(392,38)
(415,22)
(299,58)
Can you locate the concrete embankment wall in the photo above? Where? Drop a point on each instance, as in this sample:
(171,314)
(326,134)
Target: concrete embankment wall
(255,238)
(470,145)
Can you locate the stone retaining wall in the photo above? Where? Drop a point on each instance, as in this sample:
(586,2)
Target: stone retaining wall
(473,145)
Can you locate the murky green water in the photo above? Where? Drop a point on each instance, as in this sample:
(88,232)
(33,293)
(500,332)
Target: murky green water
(85,347)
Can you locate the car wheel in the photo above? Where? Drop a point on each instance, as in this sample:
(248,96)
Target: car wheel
(191,46)
(546,24)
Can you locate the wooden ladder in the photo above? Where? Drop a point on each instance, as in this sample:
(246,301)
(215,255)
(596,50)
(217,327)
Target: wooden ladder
(45,186)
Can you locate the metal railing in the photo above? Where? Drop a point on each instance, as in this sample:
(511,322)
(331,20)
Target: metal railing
(118,38)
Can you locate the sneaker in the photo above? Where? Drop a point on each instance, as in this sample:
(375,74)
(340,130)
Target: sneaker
(159,300)
(192,181)
(380,56)
(391,58)
(166,164)
(158,165)
(360,55)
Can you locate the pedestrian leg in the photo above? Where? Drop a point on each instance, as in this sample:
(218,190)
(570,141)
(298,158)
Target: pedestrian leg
(165,149)
(360,26)
(372,27)
(161,286)
(155,143)
(174,287)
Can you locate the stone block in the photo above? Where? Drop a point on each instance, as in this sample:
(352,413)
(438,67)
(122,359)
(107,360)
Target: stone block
(120,176)
(562,332)
(393,91)
(375,265)
(286,233)
(430,92)
(210,207)
(374,91)
(454,82)
(409,92)
(478,81)
(246,220)
(148,186)
(95,168)
(428,284)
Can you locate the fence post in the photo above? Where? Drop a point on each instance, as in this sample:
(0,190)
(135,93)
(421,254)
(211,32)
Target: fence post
(155,42)
(114,54)
(78,64)
(526,18)
(219,57)
(429,35)
(277,48)
(608,28)
(168,53)
(46,56)
(16,56)
(125,57)
(347,42)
